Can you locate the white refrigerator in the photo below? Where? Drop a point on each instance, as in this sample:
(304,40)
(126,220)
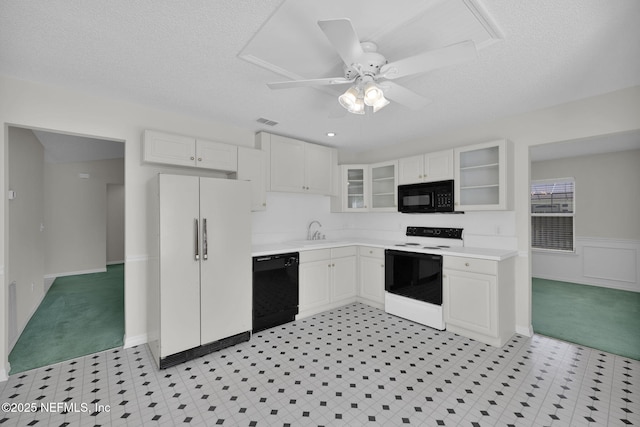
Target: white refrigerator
(203,299)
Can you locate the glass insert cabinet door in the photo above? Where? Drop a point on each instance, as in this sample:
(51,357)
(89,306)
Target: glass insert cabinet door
(483,176)
(355,182)
(384,189)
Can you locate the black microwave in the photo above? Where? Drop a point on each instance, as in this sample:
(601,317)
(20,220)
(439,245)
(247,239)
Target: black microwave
(426,197)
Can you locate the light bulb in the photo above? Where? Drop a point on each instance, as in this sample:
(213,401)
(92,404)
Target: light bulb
(357,107)
(349,98)
(380,103)
(372,94)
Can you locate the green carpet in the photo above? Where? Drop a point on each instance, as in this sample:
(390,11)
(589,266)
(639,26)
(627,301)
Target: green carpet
(601,318)
(79,315)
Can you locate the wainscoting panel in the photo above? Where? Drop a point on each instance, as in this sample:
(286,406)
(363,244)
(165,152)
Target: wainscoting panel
(619,265)
(610,263)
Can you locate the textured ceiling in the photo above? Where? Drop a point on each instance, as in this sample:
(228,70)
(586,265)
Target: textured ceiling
(184,56)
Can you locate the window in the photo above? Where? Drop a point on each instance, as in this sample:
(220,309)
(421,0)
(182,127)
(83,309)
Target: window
(552,213)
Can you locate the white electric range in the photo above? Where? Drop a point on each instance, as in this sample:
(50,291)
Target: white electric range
(413,275)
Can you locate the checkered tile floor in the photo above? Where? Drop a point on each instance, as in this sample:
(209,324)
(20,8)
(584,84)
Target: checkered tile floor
(352,366)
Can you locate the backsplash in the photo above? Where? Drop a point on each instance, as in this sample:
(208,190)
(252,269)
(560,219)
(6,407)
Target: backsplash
(288,216)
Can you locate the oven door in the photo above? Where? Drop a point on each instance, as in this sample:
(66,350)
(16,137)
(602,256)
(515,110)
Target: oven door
(414,275)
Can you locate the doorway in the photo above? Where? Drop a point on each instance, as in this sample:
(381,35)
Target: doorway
(66,243)
(586,290)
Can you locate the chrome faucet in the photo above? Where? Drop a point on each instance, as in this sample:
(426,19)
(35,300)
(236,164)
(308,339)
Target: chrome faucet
(317,235)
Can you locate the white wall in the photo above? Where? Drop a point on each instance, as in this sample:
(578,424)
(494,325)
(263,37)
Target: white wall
(76,215)
(607,228)
(115,223)
(607,191)
(600,115)
(52,108)
(25,240)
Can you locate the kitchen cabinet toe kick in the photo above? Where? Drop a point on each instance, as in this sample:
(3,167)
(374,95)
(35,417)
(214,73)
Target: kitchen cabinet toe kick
(202,350)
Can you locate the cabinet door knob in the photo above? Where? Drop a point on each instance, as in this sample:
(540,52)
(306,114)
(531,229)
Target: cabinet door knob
(193,158)
(466,264)
(199,159)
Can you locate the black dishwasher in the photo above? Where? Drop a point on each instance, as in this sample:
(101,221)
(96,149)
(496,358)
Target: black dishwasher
(275,290)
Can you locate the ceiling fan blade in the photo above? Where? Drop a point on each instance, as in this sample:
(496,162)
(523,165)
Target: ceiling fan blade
(344,39)
(403,96)
(311,82)
(430,60)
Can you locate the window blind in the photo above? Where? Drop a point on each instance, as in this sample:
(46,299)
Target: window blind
(552,214)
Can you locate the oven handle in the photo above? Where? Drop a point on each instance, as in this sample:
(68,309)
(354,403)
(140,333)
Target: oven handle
(391,252)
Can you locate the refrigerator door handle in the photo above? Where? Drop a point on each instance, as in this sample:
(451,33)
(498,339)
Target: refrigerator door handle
(205,251)
(197,254)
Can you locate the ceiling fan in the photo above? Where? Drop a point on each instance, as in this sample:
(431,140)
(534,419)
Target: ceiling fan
(371,75)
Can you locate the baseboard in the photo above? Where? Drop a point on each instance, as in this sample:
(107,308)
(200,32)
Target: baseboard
(135,340)
(20,330)
(582,281)
(74,273)
(3,373)
(524,330)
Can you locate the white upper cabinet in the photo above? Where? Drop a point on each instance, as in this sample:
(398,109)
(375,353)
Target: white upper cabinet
(297,166)
(436,166)
(367,188)
(180,150)
(411,169)
(252,167)
(483,176)
(287,164)
(318,168)
(354,192)
(216,155)
(169,149)
(384,186)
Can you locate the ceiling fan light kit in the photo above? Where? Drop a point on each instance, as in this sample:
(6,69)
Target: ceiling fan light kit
(357,97)
(364,68)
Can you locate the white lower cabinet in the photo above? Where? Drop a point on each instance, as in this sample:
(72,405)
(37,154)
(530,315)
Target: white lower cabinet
(371,277)
(327,279)
(478,298)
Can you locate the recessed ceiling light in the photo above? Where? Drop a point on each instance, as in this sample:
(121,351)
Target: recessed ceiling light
(331,134)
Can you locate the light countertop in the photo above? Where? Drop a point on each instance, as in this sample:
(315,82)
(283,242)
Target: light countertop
(307,245)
